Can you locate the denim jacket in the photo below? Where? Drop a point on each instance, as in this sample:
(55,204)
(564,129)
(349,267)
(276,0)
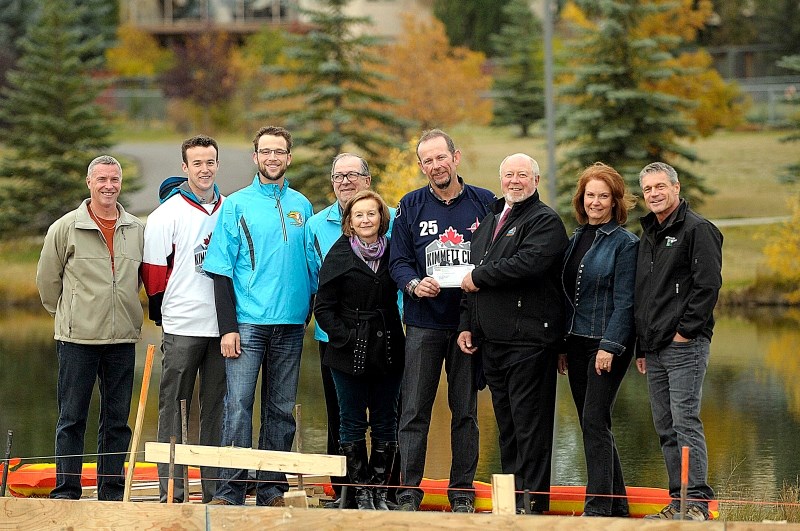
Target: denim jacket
(602,305)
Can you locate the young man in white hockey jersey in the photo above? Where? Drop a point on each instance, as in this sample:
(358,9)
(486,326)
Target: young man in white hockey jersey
(181,300)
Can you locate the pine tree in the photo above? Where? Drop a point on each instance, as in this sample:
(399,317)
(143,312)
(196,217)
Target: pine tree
(55,127)
(518,84)
(472,23)
(608,114)
(332,101)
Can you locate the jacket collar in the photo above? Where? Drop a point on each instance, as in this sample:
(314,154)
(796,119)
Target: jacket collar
(499,205)
(334,213)
(84,221)
(606,229)
(650,222)
(273,191)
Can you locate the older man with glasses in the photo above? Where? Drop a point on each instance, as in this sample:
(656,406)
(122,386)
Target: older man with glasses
(263,296)
(349,175)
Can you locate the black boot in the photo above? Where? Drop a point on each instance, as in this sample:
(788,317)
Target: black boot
(380,469)
(356,454)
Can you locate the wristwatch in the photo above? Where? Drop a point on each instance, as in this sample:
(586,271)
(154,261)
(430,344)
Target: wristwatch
(411,286)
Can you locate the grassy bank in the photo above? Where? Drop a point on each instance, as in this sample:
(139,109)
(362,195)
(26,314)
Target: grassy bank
(742,168)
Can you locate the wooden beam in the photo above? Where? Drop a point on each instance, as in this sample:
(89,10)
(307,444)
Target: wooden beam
(503,498)
(247,458)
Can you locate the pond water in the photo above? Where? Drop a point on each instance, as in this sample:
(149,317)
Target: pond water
(751,407)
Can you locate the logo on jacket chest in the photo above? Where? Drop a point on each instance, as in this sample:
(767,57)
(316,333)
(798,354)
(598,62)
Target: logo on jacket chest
(200,255)
(449,248)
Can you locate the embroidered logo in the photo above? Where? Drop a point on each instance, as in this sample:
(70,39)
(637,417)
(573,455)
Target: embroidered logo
(670,240)
(200,255)
(511,231)
(472,228)
(297,218)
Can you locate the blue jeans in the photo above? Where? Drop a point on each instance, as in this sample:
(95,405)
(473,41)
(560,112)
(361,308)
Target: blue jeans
(377,393)
(426,349)
(276,349)
(78,368)
(675,378)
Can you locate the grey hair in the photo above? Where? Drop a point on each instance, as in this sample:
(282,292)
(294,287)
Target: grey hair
(364,165)
(437,133)
(657,167)
(531,161)
(104,159)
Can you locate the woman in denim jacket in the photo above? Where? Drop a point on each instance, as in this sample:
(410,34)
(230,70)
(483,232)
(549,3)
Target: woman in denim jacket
(598,278)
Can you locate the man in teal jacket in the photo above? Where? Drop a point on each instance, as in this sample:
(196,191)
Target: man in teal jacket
(262,289)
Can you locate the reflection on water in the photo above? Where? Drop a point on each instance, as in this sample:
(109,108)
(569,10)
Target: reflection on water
(751,407)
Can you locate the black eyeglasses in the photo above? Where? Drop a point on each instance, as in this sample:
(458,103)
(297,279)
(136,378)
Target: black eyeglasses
(351,176)
(268,152)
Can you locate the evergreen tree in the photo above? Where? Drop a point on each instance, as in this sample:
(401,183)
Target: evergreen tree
(471,23)
(791,172)
(608,114)
(15,16)
(98,19)
(518,84)
(332,102)
(54,125)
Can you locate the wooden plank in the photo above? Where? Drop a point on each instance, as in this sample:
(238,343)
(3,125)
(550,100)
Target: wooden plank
(247,458)
(503,499)
(40,513)
(296,498)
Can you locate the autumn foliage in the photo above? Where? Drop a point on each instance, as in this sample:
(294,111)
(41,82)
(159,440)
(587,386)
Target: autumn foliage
(439,85)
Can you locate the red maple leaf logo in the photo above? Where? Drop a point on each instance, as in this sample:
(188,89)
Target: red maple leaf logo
(451,235)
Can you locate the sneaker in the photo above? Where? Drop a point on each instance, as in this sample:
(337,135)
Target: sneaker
(219,501)
(462,505)
(406,503)
(667,513)
(693,513)
(277,501)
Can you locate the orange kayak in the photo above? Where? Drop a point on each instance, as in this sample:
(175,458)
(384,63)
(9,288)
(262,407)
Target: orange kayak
(564,500)
(38,479)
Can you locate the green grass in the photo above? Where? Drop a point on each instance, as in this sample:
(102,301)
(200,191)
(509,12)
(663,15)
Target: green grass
(734,508)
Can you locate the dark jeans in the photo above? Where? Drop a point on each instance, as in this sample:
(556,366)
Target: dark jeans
(78,368)
(275,351)
(426,349)
(522,380)
(332,409)
(675,377)
(182,358)
(376,393)
(594,398)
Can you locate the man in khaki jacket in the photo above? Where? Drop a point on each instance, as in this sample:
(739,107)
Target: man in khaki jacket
(88,279)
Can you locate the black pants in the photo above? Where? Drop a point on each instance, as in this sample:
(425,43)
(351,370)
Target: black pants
(594,398)
(522,380)
(332,408)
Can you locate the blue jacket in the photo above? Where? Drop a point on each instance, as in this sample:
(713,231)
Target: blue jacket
(259,242)
(322,231)
(428,232)
(602,305)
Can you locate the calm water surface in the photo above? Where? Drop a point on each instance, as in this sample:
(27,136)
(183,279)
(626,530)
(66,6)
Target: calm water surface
(751,407)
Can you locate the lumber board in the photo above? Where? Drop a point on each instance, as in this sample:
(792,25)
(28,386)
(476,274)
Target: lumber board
(247,458)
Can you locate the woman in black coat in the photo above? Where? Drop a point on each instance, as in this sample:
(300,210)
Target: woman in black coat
(356,305)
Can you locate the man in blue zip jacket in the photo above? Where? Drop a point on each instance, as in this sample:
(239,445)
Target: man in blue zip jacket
(433,227)
(678,278)
(262,289)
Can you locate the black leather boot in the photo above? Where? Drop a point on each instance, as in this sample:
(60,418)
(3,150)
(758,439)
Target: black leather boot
(380,469)
(356,455)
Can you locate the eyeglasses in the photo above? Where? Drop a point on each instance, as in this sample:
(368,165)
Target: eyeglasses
(268,152)
(351,176)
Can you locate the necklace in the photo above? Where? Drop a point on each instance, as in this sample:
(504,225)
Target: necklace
(99,221)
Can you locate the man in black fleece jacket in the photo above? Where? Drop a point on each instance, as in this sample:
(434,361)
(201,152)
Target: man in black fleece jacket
(512,310)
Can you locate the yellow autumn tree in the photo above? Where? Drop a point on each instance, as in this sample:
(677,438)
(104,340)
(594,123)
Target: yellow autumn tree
(783,252)
(137,54)
(438,85)
(718,104)
(401,175)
